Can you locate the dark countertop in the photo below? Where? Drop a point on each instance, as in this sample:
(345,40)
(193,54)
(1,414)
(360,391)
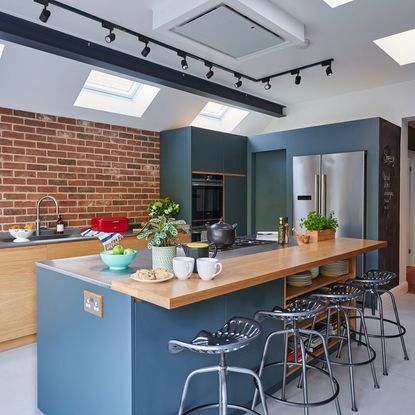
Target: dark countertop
(71,235)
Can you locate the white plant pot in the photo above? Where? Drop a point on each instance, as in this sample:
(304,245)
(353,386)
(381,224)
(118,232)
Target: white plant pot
(162,256)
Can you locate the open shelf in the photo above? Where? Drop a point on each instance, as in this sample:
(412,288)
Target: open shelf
(319,282)
(319,352)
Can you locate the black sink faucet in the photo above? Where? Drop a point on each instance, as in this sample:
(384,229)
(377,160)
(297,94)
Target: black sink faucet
(38,203)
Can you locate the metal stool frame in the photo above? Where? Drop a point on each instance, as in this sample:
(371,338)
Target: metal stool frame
(371,282)
(338,295)
(299,310)
(236,334)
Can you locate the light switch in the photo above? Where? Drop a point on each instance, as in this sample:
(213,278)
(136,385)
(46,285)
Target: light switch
(94,303)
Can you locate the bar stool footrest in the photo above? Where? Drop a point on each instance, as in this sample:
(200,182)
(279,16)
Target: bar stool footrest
(302,404)
(216,405)
(335,363)
(379,336)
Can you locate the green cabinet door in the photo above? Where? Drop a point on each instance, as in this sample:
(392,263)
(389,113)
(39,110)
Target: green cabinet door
(234,153)
(236,202)
(207,153)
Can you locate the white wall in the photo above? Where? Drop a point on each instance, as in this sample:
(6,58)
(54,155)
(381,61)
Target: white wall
(393,103)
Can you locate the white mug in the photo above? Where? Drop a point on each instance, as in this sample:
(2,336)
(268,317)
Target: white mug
(183,267)
(208,268)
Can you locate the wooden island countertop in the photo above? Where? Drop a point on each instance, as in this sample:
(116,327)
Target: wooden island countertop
(246,271)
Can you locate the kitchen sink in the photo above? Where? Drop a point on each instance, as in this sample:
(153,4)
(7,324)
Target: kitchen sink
(47,237)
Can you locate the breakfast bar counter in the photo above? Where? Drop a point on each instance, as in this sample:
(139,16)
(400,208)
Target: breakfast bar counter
(118,363)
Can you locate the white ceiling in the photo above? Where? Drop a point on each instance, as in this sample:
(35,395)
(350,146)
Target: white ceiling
(36,81)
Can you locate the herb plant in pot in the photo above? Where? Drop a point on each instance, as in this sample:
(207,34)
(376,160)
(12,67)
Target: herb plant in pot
(320,227)
(162,238)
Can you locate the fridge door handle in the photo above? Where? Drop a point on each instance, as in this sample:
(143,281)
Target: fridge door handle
(324,194)
(316,193)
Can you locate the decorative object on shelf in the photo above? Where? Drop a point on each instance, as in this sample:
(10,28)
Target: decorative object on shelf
(21,234)
(221,234)
(314,272)
(300,280)
(163,207)
(336,269)
(161,235)
(320,227)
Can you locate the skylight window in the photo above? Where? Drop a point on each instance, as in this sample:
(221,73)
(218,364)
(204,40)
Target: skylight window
(336,3)
(214,110)
(111,93)
(1,49)
(399,47)
(219,117)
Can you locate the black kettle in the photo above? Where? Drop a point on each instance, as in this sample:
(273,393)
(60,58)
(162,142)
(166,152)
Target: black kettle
(221,234)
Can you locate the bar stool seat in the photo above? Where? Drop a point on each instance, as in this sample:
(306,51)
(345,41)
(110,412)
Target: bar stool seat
(373,283)
(235,335)
(299,310)
(340,298)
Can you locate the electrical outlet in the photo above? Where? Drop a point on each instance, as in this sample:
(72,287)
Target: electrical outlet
(94,303)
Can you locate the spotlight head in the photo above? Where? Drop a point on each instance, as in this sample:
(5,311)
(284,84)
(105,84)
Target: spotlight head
(238,83)
(110,37)
(44,15)
(146,50)
(329,71)
(184,64)
(267,84)
(298,79)
(210,73)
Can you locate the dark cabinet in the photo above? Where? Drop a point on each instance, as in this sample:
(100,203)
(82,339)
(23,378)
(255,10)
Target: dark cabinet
(235,202)
(207,154)
(234,154)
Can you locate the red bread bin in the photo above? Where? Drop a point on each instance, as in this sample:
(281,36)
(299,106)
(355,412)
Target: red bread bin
(110,224)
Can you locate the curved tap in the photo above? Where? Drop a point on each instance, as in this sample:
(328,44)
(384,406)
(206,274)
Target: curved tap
(38,204)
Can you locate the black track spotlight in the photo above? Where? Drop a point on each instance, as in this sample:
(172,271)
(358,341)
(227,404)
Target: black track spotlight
(45,14)
(111,35)
(267,84)
(329,71)
(146,50)
(210,73)
(238,83)
(297,77)
(183,62)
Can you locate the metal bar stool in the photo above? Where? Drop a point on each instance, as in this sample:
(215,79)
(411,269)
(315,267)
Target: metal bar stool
(236,334)
(297,311)
(340,297)
(371,282)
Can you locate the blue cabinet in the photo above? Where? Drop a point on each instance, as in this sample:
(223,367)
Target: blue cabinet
(207,153)
(234,154)
(235,202)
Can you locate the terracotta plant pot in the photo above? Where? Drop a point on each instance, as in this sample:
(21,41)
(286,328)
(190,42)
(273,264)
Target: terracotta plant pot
(317,236)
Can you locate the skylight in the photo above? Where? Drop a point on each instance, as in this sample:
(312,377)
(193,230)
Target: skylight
(106,92)
(1,49)
(219,117)
(336,3)
(214,110)
(399,47)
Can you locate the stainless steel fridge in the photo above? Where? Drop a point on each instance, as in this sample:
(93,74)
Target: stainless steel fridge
(332,182)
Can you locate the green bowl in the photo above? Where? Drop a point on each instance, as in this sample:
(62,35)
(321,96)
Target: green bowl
(117,262)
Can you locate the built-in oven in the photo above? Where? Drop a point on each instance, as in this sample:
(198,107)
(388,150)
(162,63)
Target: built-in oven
(207,200)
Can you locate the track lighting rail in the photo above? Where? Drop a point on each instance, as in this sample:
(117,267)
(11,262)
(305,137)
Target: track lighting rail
(110,37)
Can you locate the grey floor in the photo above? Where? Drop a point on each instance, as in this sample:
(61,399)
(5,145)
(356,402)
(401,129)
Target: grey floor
(395,396)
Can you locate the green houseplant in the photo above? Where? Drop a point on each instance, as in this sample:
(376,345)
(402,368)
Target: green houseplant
(320,227)
(162,238)
(163,207)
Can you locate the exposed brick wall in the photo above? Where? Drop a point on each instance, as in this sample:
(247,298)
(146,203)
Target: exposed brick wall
(93,169)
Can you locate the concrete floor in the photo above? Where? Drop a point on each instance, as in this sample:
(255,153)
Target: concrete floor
(395,396)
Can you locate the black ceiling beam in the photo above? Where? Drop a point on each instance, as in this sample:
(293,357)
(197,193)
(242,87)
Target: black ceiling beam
(26,33)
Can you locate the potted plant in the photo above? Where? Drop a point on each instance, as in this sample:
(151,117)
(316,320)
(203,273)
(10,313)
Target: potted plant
(162,238)
(320,227)
(163,207)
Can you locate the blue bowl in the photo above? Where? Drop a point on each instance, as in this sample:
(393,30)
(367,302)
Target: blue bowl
(117,262)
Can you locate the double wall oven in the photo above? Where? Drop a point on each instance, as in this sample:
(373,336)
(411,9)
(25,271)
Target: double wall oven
(207,200)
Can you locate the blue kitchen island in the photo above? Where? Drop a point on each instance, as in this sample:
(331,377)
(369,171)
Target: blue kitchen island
(119,364)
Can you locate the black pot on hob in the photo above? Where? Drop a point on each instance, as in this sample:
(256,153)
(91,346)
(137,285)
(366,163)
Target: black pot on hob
(221,234)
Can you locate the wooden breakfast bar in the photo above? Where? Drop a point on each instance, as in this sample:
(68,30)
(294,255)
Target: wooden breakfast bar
(120,364)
